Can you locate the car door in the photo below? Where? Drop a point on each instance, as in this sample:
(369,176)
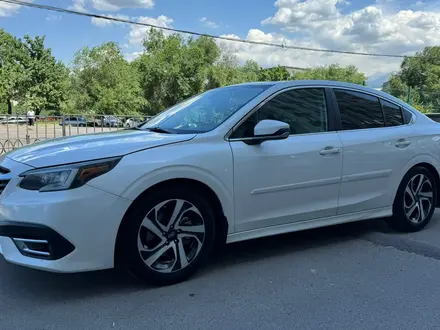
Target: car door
(376,144)
(296,179)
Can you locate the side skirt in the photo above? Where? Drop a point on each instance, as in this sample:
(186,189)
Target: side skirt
(310,224)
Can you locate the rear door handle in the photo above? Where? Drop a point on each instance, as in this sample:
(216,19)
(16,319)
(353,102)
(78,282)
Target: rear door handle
(329,150)
(402,143)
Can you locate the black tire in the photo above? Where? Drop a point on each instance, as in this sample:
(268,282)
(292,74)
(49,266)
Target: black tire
(400,221)
(128,249)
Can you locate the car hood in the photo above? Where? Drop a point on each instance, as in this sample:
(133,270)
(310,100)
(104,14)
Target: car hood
(92,146)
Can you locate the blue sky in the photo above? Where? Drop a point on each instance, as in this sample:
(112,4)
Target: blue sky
(65,33)
(383,26)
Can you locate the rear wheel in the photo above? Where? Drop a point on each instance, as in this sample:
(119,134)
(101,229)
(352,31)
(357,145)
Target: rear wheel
(168,235)
(415,201)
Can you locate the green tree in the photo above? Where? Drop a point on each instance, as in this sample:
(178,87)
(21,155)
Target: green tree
(47,78)
(229,73)
(277,73)
(334,72)
(103,82)
(173,68)
(422,74)
(13,75)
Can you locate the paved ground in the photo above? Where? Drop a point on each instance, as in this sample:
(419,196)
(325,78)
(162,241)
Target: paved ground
(356,276)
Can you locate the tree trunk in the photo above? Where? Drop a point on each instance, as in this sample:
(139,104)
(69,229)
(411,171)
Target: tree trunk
(9,107)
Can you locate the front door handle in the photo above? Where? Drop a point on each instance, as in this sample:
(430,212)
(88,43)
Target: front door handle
(402,143)
(330,150)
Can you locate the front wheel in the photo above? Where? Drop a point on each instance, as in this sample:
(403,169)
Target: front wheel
(168,236)
(415,201)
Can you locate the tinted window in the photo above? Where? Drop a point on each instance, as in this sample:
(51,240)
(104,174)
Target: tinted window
(407,116)
(359,110)
(392,113)
(304,110)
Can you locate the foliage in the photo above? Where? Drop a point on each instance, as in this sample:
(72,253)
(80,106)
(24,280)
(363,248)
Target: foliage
(334,72)
(30,75)
(103,82)
(173,68)
(46,86)
(278,73)
(422,74)
(13,75)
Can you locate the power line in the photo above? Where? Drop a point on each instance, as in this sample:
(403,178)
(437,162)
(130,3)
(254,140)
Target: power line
(121,20)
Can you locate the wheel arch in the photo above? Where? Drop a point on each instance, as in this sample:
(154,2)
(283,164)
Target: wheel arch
(436,176)
(427,162)
(222,224)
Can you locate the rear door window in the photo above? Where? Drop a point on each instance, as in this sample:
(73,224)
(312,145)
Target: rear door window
(359,110)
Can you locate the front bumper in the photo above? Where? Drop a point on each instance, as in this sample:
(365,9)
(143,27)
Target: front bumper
(64,231)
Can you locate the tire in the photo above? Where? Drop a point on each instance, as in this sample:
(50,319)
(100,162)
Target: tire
(408,203)
(140,246)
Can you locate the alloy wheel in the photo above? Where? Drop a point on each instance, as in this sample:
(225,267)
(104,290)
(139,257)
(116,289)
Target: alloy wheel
(171,236)
(418,198)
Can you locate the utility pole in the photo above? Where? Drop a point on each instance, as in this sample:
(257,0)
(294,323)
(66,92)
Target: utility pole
(409,95)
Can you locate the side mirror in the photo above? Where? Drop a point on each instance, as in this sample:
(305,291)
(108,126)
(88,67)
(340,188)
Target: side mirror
(267,130)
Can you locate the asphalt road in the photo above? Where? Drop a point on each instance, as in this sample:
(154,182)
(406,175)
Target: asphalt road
(356,276)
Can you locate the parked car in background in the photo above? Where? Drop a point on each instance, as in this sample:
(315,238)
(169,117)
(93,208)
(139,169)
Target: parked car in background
(13,120)
(74,121)
(230,164)
(132,122)
(111,121)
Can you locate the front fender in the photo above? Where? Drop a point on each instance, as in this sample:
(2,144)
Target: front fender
(207,162)
(224,193)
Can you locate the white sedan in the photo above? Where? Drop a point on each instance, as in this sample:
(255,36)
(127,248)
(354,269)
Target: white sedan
(230,164)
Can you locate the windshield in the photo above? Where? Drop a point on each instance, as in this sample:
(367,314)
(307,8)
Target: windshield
(206,111)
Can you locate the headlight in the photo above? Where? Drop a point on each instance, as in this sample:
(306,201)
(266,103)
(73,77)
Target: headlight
(66,176)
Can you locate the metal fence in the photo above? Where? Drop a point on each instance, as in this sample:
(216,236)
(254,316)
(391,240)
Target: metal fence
(18,130)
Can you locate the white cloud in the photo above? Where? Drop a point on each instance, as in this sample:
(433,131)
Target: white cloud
(271,56)
(365,30)
(111,5)
(54,17)
(138,33)
(78,5)
(206,22)
(132,56)
(8,9)
(323,24)
(101,22)
(115,5)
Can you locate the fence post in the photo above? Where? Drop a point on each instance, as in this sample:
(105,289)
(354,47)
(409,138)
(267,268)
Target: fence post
(409,95)
(63,126)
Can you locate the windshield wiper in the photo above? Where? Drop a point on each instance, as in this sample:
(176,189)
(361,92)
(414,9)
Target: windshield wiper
(157,129)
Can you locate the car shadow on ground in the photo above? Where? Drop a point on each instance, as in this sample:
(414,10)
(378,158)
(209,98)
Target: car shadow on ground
(39,285)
